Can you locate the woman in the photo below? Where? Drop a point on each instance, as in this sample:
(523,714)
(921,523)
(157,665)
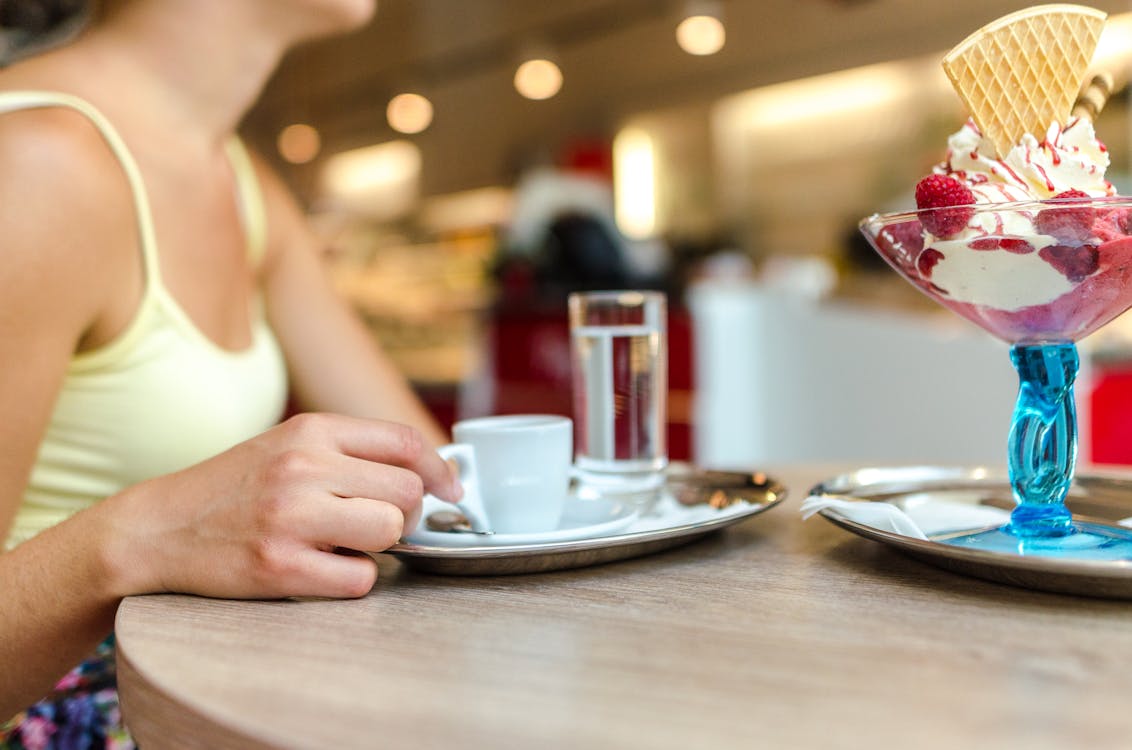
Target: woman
(158,287)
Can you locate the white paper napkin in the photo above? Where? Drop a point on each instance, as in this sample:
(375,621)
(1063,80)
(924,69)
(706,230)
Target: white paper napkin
(919,518)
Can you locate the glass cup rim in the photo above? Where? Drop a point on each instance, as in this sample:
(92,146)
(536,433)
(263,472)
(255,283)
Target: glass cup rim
(626,297)
(896,217)
(510,423)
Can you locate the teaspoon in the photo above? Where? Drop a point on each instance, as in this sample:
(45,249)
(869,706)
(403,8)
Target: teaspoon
(453,522)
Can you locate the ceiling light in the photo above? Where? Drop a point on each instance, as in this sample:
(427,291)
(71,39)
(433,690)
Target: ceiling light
(409,113)
(538,79)
(701,32)
(298,143)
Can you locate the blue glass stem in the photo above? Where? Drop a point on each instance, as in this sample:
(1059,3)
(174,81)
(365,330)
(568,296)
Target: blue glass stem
(1043,439)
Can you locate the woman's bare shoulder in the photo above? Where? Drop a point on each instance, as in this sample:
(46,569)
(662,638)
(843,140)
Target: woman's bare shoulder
(53,145)
(66,202)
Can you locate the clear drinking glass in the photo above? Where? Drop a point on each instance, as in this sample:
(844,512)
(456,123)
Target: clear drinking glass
(619,345)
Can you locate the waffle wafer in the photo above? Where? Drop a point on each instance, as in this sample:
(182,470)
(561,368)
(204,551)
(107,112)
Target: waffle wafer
(1023,72)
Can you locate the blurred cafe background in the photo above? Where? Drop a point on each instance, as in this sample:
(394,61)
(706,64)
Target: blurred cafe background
(471,162)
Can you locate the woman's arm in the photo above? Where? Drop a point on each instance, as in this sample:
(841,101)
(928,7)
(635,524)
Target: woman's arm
(334,362)
(60,192)
(266,518)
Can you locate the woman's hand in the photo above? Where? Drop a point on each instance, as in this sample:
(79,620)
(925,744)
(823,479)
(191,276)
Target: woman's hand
(267,517)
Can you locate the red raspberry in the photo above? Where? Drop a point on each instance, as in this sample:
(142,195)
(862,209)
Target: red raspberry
(1072,224)
(1075,263)
(940,192)
(1009,244)
(1113,224)
(927,261)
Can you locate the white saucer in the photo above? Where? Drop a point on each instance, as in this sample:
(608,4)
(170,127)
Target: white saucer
(589,519)
(599,533)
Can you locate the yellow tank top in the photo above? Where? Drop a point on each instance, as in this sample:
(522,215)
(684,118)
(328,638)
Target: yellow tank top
(161,396)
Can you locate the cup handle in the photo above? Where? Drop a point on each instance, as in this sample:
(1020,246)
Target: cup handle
(472,503)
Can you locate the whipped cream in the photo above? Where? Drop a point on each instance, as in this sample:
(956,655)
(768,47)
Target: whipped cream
(1067,158)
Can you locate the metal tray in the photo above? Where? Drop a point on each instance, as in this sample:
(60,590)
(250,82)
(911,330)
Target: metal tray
(1097,498)
(735,496)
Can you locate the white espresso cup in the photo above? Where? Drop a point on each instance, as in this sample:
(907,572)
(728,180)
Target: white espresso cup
(519,470)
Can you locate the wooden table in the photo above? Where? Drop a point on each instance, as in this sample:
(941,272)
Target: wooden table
(775,633)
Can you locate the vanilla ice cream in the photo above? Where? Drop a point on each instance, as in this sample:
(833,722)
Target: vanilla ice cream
(1067,158)
(1001,279)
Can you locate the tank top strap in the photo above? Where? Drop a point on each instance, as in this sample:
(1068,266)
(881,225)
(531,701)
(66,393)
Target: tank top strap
(11,101)
(253,214)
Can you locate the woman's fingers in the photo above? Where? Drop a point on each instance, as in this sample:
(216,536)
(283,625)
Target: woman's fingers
(358,523)
(383,443)
(319,473)
(333,574)
(277,566)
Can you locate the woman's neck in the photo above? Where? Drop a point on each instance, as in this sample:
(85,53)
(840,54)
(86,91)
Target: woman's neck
(186,67)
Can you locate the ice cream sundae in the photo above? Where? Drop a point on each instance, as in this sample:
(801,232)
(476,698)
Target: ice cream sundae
(1019,230)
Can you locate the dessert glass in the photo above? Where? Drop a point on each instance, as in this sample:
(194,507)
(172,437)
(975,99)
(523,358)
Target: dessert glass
(1041,276)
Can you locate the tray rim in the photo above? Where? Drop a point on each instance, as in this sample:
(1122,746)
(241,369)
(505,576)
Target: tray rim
(854,485)
(567,553)
(613,540)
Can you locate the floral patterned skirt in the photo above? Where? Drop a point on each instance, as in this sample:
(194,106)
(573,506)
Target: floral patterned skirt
(81,713)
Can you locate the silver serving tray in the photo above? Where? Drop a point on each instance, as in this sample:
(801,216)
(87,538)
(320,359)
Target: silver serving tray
(1094,498)
(756,490)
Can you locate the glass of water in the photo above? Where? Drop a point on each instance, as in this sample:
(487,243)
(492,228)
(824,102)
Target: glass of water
(619,346)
